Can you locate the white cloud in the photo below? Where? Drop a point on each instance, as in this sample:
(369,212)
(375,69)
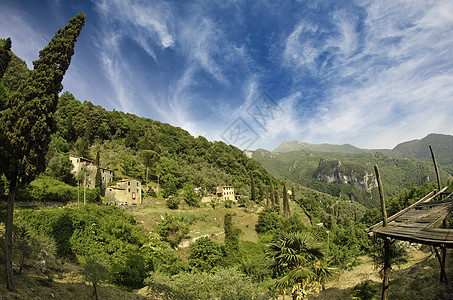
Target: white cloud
(392,86)
(27,41)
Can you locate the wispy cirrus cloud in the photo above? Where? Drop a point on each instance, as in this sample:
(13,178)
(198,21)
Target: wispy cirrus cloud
(386,73)
(27,41)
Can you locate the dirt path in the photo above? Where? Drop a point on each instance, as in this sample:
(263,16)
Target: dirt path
(420,272)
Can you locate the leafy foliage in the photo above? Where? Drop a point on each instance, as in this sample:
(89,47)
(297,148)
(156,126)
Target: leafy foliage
(190,196)
(99,231)
(396,173)
(205,255)
(224,284)
(231,239)
(364,291)
(172,230)
(94,271)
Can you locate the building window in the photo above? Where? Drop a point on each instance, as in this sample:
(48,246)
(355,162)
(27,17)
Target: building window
(128,183)
(128,190)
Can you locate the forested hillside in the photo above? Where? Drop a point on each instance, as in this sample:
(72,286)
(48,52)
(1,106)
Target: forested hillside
(442,144)
(84,129)
(397,173)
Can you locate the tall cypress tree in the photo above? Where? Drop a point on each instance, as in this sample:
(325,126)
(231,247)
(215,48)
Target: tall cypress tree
(272,194)
(252,186)
(231,239)
(5,56)
(28,120)
(285,202)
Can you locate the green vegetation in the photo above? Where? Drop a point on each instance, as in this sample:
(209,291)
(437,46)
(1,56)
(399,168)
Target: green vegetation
(303,166)
(266,244)
(26,119)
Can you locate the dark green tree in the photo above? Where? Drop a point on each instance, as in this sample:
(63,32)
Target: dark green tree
(98,178)
(286,212)
(252,186)
(172,230)
(5,56)
(205,255)
(147,157)
(98,159)
(28,120)
(231,239)
(261,193)
(190,196)
(273,198)
(94,271)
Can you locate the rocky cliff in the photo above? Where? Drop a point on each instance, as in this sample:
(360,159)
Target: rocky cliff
(334,171)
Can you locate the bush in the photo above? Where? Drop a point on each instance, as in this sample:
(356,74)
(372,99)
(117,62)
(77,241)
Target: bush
(268,221)
(45,189)
(169,189)
(172,203)
(101,231)
(364,291)
(224,284)
(172,230)
(228,203)
(205,255)
(56,224)
(191,197)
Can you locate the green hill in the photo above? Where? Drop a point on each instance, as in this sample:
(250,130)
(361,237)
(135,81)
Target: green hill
(442,145)
(296,146)
(303,167)
(418,149)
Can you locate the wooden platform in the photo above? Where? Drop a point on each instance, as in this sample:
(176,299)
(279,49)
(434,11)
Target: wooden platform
(417,223)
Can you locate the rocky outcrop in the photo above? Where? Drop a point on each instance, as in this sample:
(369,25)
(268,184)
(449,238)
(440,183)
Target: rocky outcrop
(334,171)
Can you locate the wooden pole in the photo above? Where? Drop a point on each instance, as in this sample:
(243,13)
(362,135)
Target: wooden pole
(386,280)
(443,276)
(381,196)
(439,184)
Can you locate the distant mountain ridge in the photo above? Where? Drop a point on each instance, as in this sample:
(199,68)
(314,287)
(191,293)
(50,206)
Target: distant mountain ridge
(296,146)
(419,149)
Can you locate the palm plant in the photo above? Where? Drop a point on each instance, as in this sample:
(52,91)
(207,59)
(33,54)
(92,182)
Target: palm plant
(297,258)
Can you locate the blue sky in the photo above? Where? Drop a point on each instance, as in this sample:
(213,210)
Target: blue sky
(257,73)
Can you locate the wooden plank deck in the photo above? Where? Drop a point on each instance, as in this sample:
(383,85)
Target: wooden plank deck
(417,222)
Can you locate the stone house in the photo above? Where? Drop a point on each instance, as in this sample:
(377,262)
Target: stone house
(225,193)
(127,191)
(79,163)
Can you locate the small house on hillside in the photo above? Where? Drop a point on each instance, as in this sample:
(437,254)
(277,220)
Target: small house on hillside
(225,193)
(128,191)
(80,163)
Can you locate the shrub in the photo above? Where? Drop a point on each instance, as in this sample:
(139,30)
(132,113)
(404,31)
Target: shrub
(172,230)
(172,203)
(191,197)
(228,203)
(364,291)
(205,255)
(268,221)
(169,189)
(224,284)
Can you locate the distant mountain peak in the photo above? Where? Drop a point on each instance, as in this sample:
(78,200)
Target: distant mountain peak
(297,146)
(442,145)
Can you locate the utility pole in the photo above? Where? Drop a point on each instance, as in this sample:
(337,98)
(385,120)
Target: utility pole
(328,232)
(78,194)
(84,189)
